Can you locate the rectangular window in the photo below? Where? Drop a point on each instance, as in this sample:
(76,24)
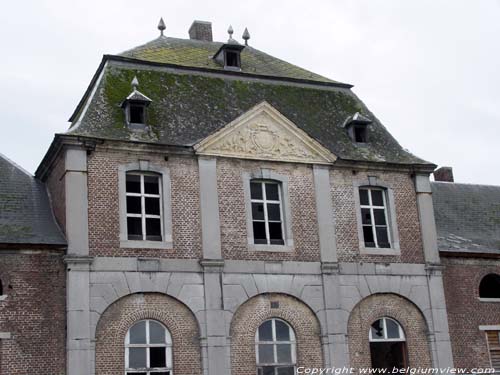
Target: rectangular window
(267,213)
(374,217)
(493,338)
(144,219)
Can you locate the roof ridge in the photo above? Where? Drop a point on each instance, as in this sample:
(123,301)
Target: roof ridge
(17,166)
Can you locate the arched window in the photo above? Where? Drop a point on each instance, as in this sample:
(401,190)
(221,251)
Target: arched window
(387,344)
(490,286)
(148,349)
(275,348)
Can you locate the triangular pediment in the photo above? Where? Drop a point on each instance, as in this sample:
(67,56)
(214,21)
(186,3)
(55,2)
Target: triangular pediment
(263,133)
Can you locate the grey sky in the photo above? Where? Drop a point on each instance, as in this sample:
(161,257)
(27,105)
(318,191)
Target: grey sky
(429,69)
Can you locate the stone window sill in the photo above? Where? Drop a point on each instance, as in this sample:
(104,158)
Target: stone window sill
(490,300)
(3,297)
(379,251)
(271,248)
(146,245)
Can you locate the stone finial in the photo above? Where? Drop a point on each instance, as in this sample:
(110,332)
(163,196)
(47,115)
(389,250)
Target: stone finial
(161,26)
(135,83)
(246,36)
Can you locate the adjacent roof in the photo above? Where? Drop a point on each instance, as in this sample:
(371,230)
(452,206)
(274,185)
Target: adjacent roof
(467,217)
(198,53)
(189,105)
(25,212)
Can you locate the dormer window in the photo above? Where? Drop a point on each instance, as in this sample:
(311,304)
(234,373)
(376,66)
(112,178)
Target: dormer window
(357,128)
(135,106)
(232,59)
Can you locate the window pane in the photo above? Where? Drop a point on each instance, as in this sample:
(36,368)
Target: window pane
(133,205)
(151,185)
(153,229)
(157,357)
(368,236)
(365,216)
(156,333)
(273,211)
(133,183)
(137,358)
(379,215)
(363,196)
(266,354)
(275,234)
(378,329)
(134,228)
(152,206)
(377,199)
(136,114)
(284,353)
(282,331)
(285,370)
(138,333)
(268,370)
(266,331)
(258,211)
(259,232)
(256,190)
(392,329)
(382,239)
(272,192)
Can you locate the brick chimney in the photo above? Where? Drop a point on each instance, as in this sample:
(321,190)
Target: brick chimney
(444,174)
(201,30)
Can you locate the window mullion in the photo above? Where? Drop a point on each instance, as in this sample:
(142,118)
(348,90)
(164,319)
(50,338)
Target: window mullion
(264,196)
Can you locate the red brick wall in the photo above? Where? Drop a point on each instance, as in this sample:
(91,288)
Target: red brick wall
(393,306)
(465,312)
(57,191)
(119,317)
(254,312)
(104,225)
(34,312)
(406,215)
(233,210)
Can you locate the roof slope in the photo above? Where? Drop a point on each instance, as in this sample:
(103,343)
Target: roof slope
(467,217)
(25,212)
(189,106)
(198,54)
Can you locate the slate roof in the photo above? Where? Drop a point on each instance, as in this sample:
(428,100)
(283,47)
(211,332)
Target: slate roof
(197,53)
(189,105)
(467,217)
(25,213)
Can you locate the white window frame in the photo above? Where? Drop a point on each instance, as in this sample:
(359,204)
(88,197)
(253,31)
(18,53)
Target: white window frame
(144,166)
(401,338)
(370,206)
(265,201)
(292,342)
(167,345)
(390,212)
(286,217)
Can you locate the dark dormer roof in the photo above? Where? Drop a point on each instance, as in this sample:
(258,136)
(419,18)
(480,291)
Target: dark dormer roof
(467,217)
(25,213)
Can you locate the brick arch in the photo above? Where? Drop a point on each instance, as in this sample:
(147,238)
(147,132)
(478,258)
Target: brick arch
(251,314)
(122,314)
(392,306)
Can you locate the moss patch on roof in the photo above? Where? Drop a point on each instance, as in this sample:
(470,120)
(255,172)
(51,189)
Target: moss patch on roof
(186,108)
(196,53)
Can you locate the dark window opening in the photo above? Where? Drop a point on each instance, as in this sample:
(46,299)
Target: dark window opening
(388,355)
(1,288)
(490,286)
(137,113)
(232,59)
(360,134)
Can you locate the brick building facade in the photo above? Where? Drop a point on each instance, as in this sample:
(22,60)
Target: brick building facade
(234,214)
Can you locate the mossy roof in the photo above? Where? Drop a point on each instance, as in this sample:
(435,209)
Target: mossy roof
(25,212)
(188,106)
(467,217)
(199,54)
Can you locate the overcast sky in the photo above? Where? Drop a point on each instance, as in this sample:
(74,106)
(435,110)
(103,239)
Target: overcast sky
(429,69)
